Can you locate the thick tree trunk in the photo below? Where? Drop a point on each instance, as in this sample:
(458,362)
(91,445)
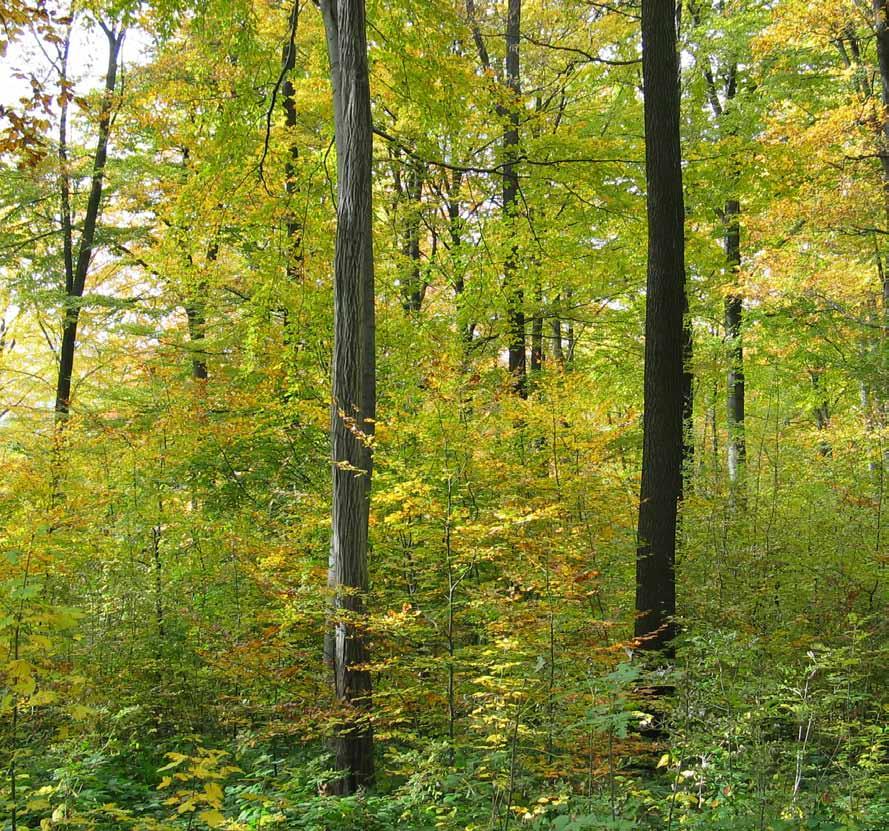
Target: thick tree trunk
(76,271)
(354,393)
(664,340)
(515,313)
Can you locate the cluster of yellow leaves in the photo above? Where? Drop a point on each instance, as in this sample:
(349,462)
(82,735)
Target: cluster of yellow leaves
(804,25)
(196,779)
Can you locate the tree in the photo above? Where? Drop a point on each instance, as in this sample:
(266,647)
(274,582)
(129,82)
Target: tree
(510,115)
(77,269)
(721,82)
(354,392)
(515,312)
(664,309)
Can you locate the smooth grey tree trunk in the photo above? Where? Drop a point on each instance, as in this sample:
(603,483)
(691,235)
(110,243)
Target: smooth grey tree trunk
(354,392)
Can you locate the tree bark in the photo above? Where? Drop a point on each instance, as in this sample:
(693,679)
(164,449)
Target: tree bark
(537,356)
(76,271)
(413,287)
(293,226)
(734,309)
(664,340)
(515,313)
(688,397)
(196,315)
(354,393)
(881,30)
(821,412)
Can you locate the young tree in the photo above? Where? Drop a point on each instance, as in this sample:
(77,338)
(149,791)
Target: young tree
(664,308)
(354,393)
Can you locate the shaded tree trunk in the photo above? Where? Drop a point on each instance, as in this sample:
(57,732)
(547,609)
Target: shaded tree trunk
(76,270)
(294,226)
(410,192)
(455,230)
(537,332)
(570,340)
(555,324)
(688,397)
(733,306)
(881,31)
(821,412)
(197,322)
(734,309)
(664,340)
(515,313)
(196,315)
(354,393)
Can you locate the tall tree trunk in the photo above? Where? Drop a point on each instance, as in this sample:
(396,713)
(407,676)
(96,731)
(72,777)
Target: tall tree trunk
(881,28)
(555,324)
(734,306)
(354,393)
(294,226)
(664,307)
(413,287)
(76,271)
(734,309)
(537,331)
(515,313)
(197,322)
(455,230)
(570,340)
(196,316)
(821,412)
(688,397)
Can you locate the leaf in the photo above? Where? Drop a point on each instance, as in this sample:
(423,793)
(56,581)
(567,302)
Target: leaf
(213,794)
(212,818)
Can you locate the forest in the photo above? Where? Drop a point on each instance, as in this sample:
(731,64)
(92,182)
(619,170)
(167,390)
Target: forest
(444,415)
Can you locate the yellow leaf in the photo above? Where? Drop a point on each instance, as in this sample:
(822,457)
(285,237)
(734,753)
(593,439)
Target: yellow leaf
(213,794)
(212,818)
